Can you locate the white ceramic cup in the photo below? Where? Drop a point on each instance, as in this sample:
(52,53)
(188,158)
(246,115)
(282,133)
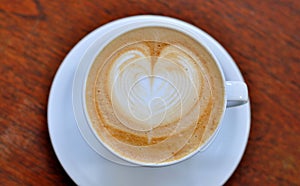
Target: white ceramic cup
(236,92)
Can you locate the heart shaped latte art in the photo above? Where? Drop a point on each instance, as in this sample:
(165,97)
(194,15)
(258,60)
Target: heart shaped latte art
(150,91)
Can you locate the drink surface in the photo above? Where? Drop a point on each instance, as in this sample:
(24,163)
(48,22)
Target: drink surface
(154,95)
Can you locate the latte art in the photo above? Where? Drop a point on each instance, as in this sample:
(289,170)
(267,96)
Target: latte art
(150,96)
(151,86)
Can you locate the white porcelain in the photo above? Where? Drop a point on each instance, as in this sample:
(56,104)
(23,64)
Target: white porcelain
(211,167)
(236,91)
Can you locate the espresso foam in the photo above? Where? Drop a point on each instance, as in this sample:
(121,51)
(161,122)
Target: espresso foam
(154,95)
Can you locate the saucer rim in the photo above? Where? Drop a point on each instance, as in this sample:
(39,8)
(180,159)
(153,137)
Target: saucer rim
(93,34)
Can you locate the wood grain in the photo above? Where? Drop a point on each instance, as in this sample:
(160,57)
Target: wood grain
(262,36)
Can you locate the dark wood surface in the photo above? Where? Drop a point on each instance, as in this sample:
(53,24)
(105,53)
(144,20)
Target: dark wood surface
(263,37)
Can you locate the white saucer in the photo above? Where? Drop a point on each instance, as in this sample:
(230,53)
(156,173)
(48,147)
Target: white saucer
(212,167)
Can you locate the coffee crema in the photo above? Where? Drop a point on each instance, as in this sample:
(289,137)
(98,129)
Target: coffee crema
(154,95)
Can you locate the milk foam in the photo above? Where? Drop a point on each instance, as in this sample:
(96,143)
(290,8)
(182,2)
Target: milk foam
(151,96)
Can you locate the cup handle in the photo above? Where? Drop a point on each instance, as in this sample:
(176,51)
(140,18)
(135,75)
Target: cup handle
(236,93)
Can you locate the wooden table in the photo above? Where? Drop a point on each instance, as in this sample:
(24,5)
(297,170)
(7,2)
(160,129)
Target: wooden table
(263,37)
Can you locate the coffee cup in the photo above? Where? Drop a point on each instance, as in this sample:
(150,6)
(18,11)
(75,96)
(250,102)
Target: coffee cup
(150,92)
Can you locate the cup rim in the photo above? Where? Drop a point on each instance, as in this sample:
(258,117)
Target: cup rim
(123,25)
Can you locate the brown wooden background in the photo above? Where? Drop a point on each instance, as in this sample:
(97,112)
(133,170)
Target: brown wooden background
(262,36)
